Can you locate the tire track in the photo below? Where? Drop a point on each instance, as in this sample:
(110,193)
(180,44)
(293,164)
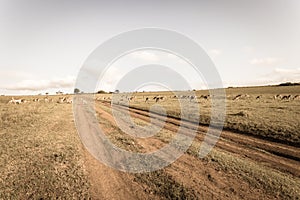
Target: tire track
(201,177)
(275,155)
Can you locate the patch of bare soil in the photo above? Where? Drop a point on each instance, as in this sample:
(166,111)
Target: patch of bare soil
(107,183)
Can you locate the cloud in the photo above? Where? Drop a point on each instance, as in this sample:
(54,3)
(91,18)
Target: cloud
(214,52)
(110,79)
(36,85)
(280,75)
(266,61)
(277,76)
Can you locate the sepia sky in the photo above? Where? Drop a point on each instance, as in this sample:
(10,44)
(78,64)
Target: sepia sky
(43,44)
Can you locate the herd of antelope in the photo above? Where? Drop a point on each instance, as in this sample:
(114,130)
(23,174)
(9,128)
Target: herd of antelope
(45,100)
(195,99)
(275,97)
(156,99)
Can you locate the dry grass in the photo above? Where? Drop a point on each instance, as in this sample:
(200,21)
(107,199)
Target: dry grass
(258,175)
(162,184)
(267,118)
(39,153)
(273,182)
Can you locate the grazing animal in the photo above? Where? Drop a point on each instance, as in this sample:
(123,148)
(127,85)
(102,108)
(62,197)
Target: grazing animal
(296,97)
(65,100)
(258,97)
(36,100)
(278,96)
(16,101)
(192,98)
(61,99)
(286,97)
(69,100)
(206,97)
(158,98)
(239,96)
(11,101)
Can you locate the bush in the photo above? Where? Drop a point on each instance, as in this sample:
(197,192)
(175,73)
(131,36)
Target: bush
(101,92)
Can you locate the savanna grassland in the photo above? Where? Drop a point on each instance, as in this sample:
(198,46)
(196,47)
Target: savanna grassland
(40,153)
(256,157)
(258,113)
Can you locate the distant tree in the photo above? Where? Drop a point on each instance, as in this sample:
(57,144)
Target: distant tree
(288,84)
(101,92)
(117,91)
(76,91)
(47,93)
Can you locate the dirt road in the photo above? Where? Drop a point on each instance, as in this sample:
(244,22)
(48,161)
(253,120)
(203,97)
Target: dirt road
(276,155)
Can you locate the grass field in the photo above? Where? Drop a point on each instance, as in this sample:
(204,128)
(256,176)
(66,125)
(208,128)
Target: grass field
(256,174)
(42,157)
(40,153)
(275,120)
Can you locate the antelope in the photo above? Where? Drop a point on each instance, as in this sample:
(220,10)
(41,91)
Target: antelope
(11,101)
(18,101)
(241,96)
(192,98)
(237,97)
(287,97)
(296,97)
(61,99)
(258,97)
(158,98)
(68,100)
(206,97)
(36,100)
